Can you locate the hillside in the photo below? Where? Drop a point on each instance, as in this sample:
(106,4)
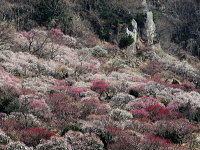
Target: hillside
(99,75)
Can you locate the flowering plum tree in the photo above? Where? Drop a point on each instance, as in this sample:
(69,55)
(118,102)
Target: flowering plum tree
(100,86)
(32,136)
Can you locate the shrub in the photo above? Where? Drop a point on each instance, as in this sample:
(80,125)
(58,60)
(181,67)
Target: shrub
(174,130)
(120,100)
(100,86)
(157,112)
(56,35)
(153,142)
(139,113)
(111,47)
(152,68)
(32,136)
(188,86)
(86,68)
(89,106)
(134,92)
(197,115)
(124,142)
(120,115)
(17,146)
(63,106)
(155,16)
(99,51)
(76,91)
(88,141)
(126,41)
(9,97)
(90,42)
(140,19)
(54,12)
(143,102)
(70,126)
(4,104)
(137,91)
(5,29)
(39,108)
(61,72)
(56,143)
(4,139)
(189,111)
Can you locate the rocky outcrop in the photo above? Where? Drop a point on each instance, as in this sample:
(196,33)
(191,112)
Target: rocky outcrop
(149,30)
(132,31)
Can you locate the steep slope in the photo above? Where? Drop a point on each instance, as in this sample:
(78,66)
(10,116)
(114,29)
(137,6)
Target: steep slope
(83,93)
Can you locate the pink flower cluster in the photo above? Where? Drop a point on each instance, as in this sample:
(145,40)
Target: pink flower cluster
(87,68)
(186,86)
(156,141)
(90,42)
(112,47)
(37,104)
(150,108)
(76,91)
(32,136)
(100,86)
(28,35)
(57,32)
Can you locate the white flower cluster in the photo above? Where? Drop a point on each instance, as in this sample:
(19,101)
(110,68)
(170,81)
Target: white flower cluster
(25,120)
(17,146)
(187,97)
(25,64)
(80,141)
(41,85)
(120,115)
(54,144)
(67,56)
(4,139)
(8,83)
(172,63)
(120,100)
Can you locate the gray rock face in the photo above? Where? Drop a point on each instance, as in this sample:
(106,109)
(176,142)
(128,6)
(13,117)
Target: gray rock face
(144,4)
(149,31)
(132,31)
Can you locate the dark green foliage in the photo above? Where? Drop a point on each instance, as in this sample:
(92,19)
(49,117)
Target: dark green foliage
(106,18)
(70,126)
(134,93)
(7,104)
(4,103)
(174,81)
(173,136)
(126,41)
(106,137)
(188,111)
(197,115)
(155,15)
(140,19)
(197,85)
(56,11)
(29,14)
